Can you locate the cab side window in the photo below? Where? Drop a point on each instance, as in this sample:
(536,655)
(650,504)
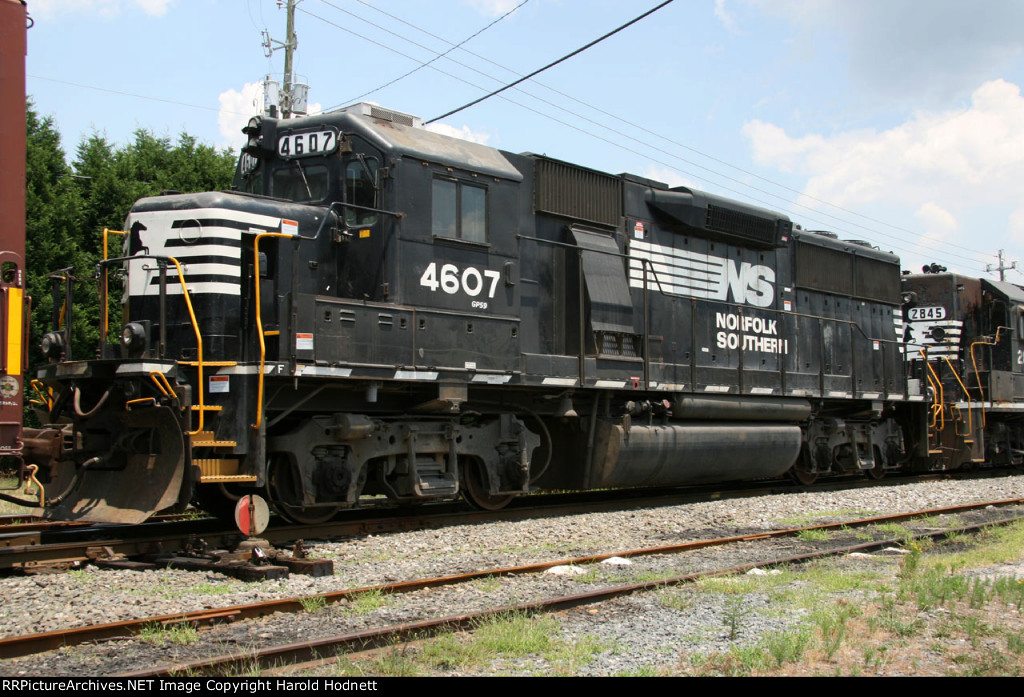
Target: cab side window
(361,190)
(459,210)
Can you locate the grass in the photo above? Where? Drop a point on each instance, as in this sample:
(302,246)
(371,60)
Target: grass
(182,634)
(366,602)
(923,613)
(312,603)
(7,484)
(813,535)
(492,647)
(806,519)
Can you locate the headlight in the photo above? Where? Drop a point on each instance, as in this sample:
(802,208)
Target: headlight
(133,338)
(52,345)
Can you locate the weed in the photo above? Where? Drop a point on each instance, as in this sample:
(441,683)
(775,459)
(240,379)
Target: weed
(833,631)
(182,634)
(675,599)
(733,613)
(787,646)
(903,533)
(312,603)
(736,662)
(813,535)
(367,601)
(396,662)
(909,564)
(488,584)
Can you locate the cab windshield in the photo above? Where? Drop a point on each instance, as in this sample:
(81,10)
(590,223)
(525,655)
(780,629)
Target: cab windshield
(302,183)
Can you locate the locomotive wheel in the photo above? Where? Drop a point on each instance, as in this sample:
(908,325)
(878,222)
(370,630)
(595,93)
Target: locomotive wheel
(474,490)
(281,485)
(875,473)
(801,476)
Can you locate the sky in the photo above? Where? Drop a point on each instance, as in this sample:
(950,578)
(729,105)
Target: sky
(898,122)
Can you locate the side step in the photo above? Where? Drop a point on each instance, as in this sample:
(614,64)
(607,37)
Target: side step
(221,470)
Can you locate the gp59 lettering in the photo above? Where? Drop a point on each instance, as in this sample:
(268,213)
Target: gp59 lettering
(470,280)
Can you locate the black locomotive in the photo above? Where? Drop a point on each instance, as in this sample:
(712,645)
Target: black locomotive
(375,310)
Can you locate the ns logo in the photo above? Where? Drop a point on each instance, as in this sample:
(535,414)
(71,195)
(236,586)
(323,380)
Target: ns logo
(750,284)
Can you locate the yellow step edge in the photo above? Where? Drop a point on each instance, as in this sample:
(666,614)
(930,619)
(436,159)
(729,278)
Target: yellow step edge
(226,479)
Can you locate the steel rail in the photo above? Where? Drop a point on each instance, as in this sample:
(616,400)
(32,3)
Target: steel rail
(369,639)
(35,643)
(27,548)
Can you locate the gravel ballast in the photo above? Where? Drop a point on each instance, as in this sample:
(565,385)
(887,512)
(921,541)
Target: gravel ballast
(630,634)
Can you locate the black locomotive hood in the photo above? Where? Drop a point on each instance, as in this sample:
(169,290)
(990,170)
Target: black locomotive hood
(206,204)
(719,217)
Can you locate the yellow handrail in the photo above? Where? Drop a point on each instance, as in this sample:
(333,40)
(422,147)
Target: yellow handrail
(970,419)
(977,374)
(106,314)
(937,403)
(259,323)
(201,387)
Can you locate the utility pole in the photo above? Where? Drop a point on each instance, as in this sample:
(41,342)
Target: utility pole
(293,95)
(290,44)
(1002,269)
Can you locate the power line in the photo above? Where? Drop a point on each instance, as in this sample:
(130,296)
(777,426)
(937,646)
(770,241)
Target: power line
(421,65)
(137,96)
(553,64)
(919,238)
(896,241)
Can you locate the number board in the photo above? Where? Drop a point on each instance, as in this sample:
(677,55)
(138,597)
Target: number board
(915,314)
(308,143)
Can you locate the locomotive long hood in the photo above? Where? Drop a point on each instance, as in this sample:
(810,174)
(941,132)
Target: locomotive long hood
(719,217)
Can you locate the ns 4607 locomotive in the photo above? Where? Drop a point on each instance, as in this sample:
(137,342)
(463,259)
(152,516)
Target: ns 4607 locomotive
(378,310)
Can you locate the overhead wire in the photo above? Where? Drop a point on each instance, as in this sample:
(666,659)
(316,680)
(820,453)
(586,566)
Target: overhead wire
(564,58)
(919,235)
(897,242)
(135,95)
(419,67)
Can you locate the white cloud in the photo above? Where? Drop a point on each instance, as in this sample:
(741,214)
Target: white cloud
(911,50)
(47,9)
(465,133)
(937,220)
(726,17)
(670,177)
(236,108)
(1017,225)
(955,175)
(492,8)
(969,155)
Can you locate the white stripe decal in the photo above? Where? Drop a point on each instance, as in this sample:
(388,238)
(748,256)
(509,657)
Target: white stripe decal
(212,264)
(492,379)
(143,368)
(416,375)
(563,382)
(324,371)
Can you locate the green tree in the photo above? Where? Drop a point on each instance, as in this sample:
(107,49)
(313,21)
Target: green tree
(54,214)
(69,205)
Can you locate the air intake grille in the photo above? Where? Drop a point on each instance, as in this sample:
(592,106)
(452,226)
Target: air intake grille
(578,193)
(392,116)
(743,225)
